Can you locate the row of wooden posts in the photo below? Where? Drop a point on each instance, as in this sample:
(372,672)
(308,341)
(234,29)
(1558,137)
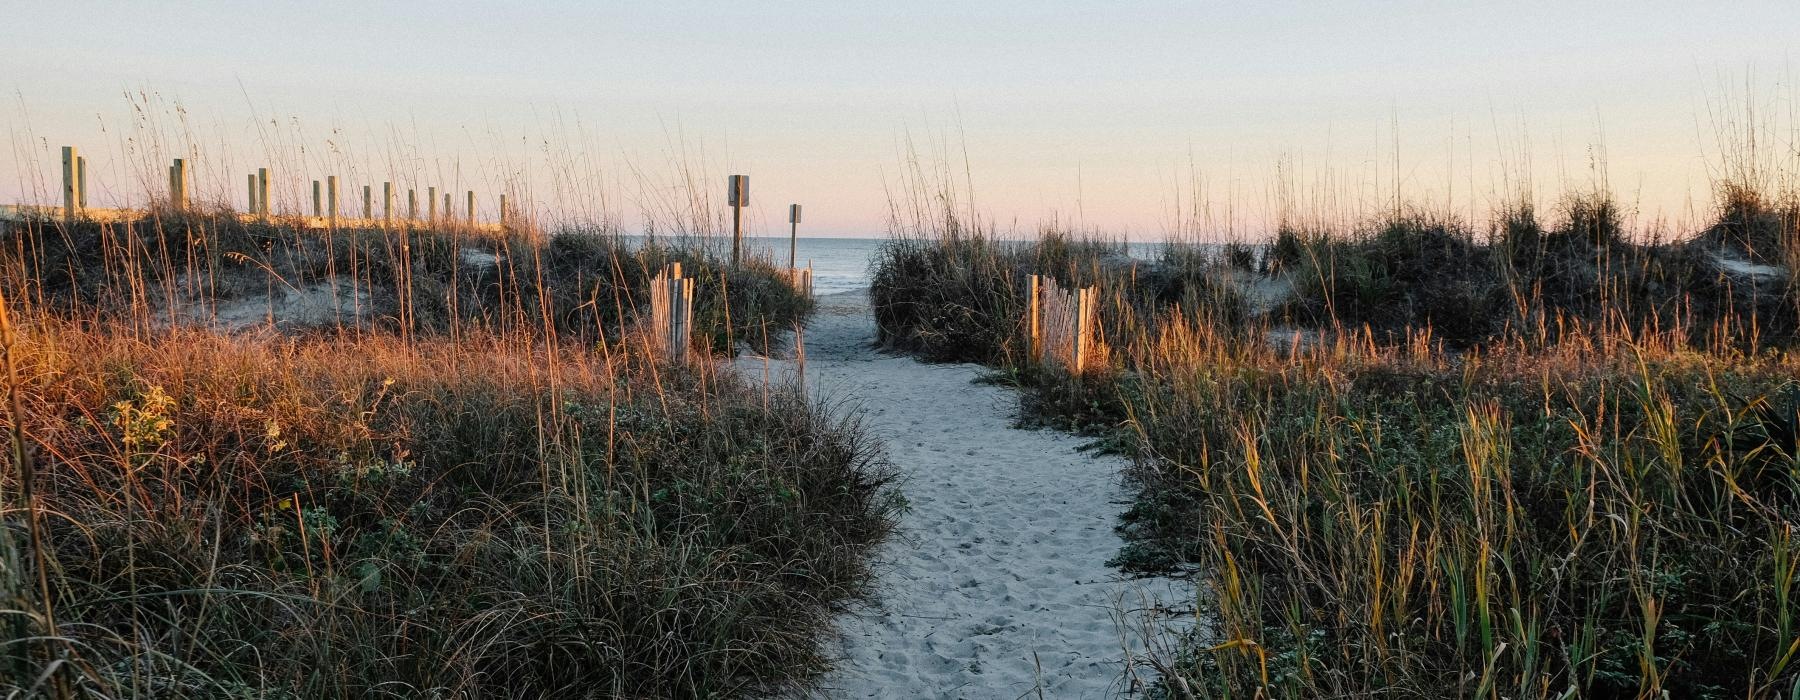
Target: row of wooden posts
(324,195)
(1061,324)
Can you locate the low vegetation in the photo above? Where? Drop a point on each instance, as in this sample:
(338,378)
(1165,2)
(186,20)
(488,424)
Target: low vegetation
(469,480)
(1547,461)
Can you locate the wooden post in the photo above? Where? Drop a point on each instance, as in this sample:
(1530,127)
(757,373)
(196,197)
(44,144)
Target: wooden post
(471,211)
(431,205)
(449,211)
(71,183)
(368,207)
(412,206)
(503,209)
(178,184)
(331,199)
(1078,345)
(738,196)
(81,183)
(387,202)
(250,197)
(318,200)
(262,191)
(793,234)
(1034,348)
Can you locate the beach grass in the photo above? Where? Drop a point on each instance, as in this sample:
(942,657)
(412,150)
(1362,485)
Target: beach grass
(1550,459)
(249,459)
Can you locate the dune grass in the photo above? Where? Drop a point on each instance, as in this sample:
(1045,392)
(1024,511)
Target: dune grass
(1544,461)
(467,478)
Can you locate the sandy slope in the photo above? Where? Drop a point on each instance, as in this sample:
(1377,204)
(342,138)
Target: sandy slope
(997,584)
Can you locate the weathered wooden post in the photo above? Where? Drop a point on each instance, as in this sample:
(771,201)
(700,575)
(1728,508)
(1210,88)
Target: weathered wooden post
(71,183)
(449,211)
(502,208)
(368,205)
(1034,348)
(431,205)
(81,189)
(412,206)
(738,196)
(1084,304)
(250,206)
(793,234)
(471,211)
(178,184)
(331,200)
(387,203)
(262,191)
(318,200)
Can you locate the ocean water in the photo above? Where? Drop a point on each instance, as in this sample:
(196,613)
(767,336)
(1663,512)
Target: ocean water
(839,264)
(842,264)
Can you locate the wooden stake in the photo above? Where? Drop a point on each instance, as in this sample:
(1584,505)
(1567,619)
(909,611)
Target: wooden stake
(71,183)
(250,198)
(331,198)
(262,191)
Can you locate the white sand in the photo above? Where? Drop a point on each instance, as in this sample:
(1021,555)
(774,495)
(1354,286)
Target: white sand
(996,585)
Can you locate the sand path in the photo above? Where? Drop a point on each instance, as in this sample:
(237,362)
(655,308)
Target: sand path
(996,585)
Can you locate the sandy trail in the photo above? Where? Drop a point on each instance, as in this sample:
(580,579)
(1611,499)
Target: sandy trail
(996,585)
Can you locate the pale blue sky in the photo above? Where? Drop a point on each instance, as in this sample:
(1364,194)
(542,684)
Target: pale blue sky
(1083,111)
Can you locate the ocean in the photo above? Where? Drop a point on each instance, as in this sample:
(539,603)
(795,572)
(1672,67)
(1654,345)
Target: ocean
(842,264)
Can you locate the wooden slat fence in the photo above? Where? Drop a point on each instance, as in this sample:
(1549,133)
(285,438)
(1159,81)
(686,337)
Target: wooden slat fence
(801,278)
(1062,323)
(671,313)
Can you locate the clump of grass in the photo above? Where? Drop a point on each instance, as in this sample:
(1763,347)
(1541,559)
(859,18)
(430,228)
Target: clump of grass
(463,474)
(1548,461)
(442,280)
(274,516)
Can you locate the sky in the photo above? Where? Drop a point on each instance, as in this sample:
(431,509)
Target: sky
(1114,116)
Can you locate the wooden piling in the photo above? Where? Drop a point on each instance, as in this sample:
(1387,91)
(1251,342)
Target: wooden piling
(250,206)
(331,199)
(387,202)
(71,183)
(471,210)
(431,205)
(262,191)
(368,204)
(318,200)
(412,206)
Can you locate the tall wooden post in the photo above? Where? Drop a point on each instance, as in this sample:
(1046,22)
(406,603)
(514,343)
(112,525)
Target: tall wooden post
(412,206)
(738,196)
(178,184)
(81,183)
(262,191)
(71,183)
(793,235)
(1033,341)
(449,211)
(331,199)
(250,206)
(318,200)
(502,208)
(431,205)
(471,211)
(368,204)
(387,202)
